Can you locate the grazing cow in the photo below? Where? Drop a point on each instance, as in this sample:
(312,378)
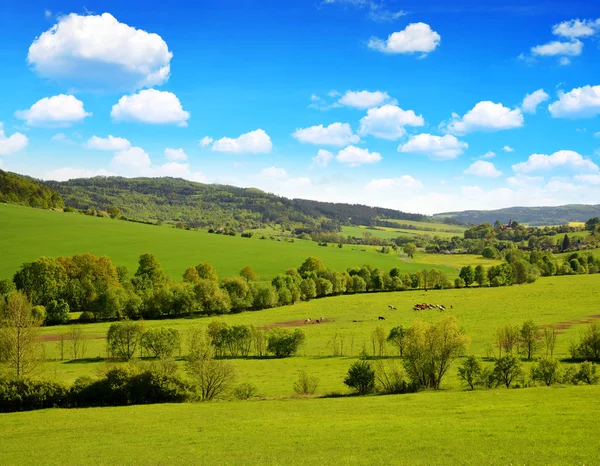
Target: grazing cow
(394,308)
(390,306)
(381,318)
(317,321)
(451,307)
(307,321)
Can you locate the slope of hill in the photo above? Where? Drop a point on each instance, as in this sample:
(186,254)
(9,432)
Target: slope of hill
(534,216)
(22,190)
(171,199)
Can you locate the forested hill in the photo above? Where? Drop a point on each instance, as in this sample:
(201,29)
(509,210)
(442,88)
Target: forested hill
(22,190)
(534,216)
(197,204)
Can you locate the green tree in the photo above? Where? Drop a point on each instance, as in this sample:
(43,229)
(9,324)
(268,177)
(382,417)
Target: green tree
(361,377)
(410,249)
(248,274)
(470,371)
(588,347)
(150,272)
(566,243)
(397,338)
(161,342)
(467,274)
(123,339)
(57,312)
(490,252)
(480,275)
(311,265)
(530,334)
(546,370)
(114,211)
(206,272)
(211,298)
(284,343)
(41,280)
(21,347)
(507,369)
(308,289)
(239,293)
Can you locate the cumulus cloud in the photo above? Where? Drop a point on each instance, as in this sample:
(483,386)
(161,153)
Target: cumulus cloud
(175,155)
(483,168)
(523,181)
(415,38)
(99,52)
(273,172)
(531,101)
(58,110)
(354,156)
(336,134)
(132,158)
(591,179)
(486,116)
(254,142)
(322,158)
(508,149)
(577,28)
(436,147)
(488,155)
(206,141)
(13,143)
(388,122)
(150,106)
(554,48)
(404,181)
(564,159)
(580,102)
(109,143)
(363,99)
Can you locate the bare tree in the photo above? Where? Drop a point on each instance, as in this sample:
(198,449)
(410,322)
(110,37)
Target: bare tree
(20,344)
(336,343)
(378,337)
(550,339)
(61,344)
(260,342)
(77,342)
(507,339)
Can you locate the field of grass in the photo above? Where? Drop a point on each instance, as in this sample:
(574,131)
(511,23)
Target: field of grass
(453,260)
(525,426)
(479,310)
(390,233)
(26,234)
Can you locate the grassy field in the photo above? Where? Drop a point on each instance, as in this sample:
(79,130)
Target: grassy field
(26,234)
(390,233)
(526,426)
(479,310)
(453,260)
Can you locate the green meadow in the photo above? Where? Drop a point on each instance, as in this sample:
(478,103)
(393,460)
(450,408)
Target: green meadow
(26,234)
(535,426)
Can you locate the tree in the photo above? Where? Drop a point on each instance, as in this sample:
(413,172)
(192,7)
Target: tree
(546,370)
(77,341)
(592,224)
(397,338)
(566,243)
(530,333)
(311,264)
(507,339)
(588,373)
(490,252)
(239,293)
(480,275)
(470,371)
(507,369)
(588,347)
(467,274)
(361,377)
(206,272)
(20,343)
(113,211)
(308,289)
(161,342)
(410,249)
(57,312)
(149,273)
(123,339)
(264,295)
(431,348)
(550,334)
(284,343)
(378,341)
(212,377)
(41,280)
(248,274)
(211,298)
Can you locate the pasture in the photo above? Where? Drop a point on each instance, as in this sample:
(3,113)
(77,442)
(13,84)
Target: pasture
(354,317)
(497,427)
(26,234)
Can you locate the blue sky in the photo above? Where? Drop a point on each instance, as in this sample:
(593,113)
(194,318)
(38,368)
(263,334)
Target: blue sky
(423,106)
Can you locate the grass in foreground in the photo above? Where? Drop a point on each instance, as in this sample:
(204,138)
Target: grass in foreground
(522,426)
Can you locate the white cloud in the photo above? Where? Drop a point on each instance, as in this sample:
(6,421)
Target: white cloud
(58,110)
(551,49)
(336,134)
(415,38)
(354,156)
(206,141)
(591,179)
(486,116)
(132,158)
(576,28)
(563,158)
(508,149)
(109,143)
(150,106)
(322,158)
(254,142)
(13,143)
(388,122)
(580,102)
(531,101)
(363,99)
(523,181)
(68,173)
(98,52)
(175,155)
(488,155)
(436,147)
(404,181)
(483,168)
(273,172)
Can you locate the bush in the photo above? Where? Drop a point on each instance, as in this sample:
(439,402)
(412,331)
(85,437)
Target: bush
(588,373)
(361,377)
(57,312)
(123,339)
(306,384)
(507,369)
(87,316)
(24,394)
(390,378)
(546,370)
(161,342)
(588,347)
(245,391)
(284,343)
(470,371)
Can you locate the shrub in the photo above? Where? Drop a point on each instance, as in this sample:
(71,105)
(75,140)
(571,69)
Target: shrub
(306,384)
(588,347)
(161,342)
(546,370)
(87,316)
(57,312)
(123,338)
(24,394)
(588,373)
(507,369)
(284,343)
(470,371)
(361,377)
(390,378)
(245,391)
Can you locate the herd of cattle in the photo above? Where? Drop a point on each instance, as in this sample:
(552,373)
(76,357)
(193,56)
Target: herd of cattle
(424,307)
